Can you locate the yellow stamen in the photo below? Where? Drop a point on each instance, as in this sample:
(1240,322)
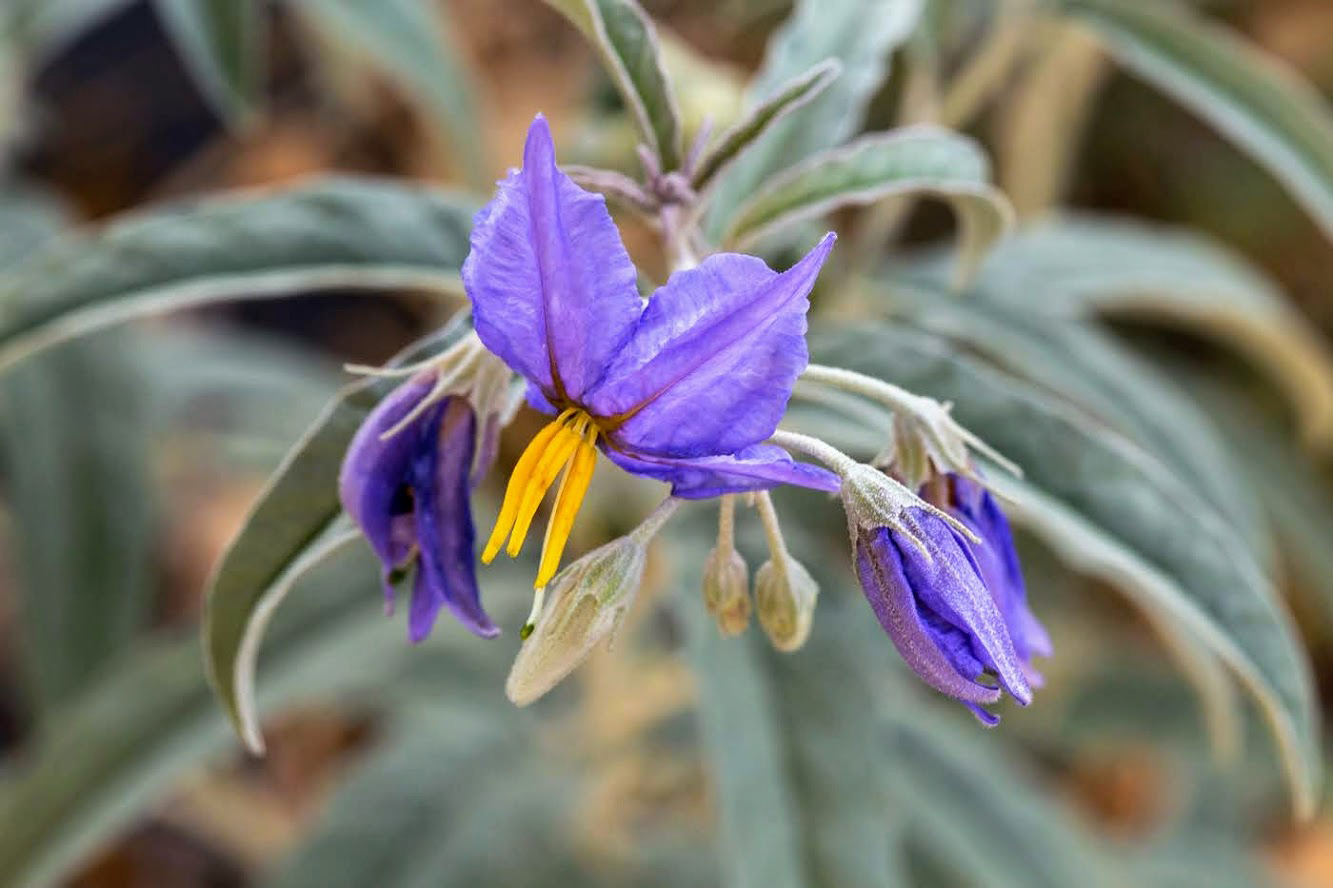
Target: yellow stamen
(518,483)
(553,462)
(573,487)
(565,449)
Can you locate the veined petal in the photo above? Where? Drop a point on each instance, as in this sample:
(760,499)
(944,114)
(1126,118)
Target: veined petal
(949,585)
(553,291)
(880,567)
(373,481)
(998,560)
(441,482)
(754,468)
(711,364)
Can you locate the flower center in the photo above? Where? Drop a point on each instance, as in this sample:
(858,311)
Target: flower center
(565,448)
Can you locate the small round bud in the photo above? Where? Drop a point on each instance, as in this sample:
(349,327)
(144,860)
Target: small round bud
(727,590)
(785,596)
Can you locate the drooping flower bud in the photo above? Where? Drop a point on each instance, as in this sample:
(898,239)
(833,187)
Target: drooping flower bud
(726,585)
(785,596)
(584,603)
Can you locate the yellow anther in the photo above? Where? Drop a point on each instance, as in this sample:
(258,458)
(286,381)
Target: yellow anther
(518,484)
(553,462)
(568,498)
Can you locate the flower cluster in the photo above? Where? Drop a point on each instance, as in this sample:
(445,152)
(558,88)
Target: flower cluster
(687,387)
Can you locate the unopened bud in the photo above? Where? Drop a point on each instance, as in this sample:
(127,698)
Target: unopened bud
(785,595)
(727,590)
(585,603)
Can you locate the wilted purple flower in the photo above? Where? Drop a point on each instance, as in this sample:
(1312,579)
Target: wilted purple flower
(406,481)
(684,389)
(928,591)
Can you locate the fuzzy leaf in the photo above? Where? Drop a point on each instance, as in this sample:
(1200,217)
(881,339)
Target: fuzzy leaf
(1250,97)
(327,234)
(1077,265)
(624,36)
(742,134)
(860,35)
(412,42)
(914,161)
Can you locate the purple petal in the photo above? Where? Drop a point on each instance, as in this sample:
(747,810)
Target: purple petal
(553,291)
(441,483)
(949,583)
(998,560)
(373,481)
(755,468)
(879,564)
(711,364)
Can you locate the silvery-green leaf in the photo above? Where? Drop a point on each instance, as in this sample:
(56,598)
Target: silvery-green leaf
(1076,265)
(915,161)
(791,739)
(221,43)
(860,35)
(100,761)
(742,134)
(624,37)
(1090,368)
(289,529)
(76,446)
(1112,510)
(461,797)
(412,42)
(972,804)
(42,28)
(1250,97)
(336,233)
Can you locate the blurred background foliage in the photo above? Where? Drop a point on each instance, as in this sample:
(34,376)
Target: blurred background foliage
(1198,329)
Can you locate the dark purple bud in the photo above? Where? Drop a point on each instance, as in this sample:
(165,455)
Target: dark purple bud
(927,591)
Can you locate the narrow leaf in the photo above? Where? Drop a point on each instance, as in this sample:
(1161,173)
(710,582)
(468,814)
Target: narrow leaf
(860,35)
(742,134)
(327,234)
(412,41)
(1109,508)
(624,36)
(221,43)
(1076,265)
(913,161)
(1250,97)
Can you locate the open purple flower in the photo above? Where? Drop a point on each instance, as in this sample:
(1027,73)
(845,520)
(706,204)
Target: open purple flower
(928,591)
(406,481)
(684,388)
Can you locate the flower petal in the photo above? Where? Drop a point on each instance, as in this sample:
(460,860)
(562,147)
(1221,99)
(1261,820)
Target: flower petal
(755,468)
(441,482)
(373,481)
(553,291)
(880,567)
(711,364)
(949,584)
(1000,568)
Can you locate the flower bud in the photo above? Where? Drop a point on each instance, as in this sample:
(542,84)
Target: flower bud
(585,603)
(785,595)
(727,590)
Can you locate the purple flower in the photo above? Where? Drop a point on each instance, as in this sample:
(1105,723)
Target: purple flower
(929,593)
(409,492)
(684,389)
